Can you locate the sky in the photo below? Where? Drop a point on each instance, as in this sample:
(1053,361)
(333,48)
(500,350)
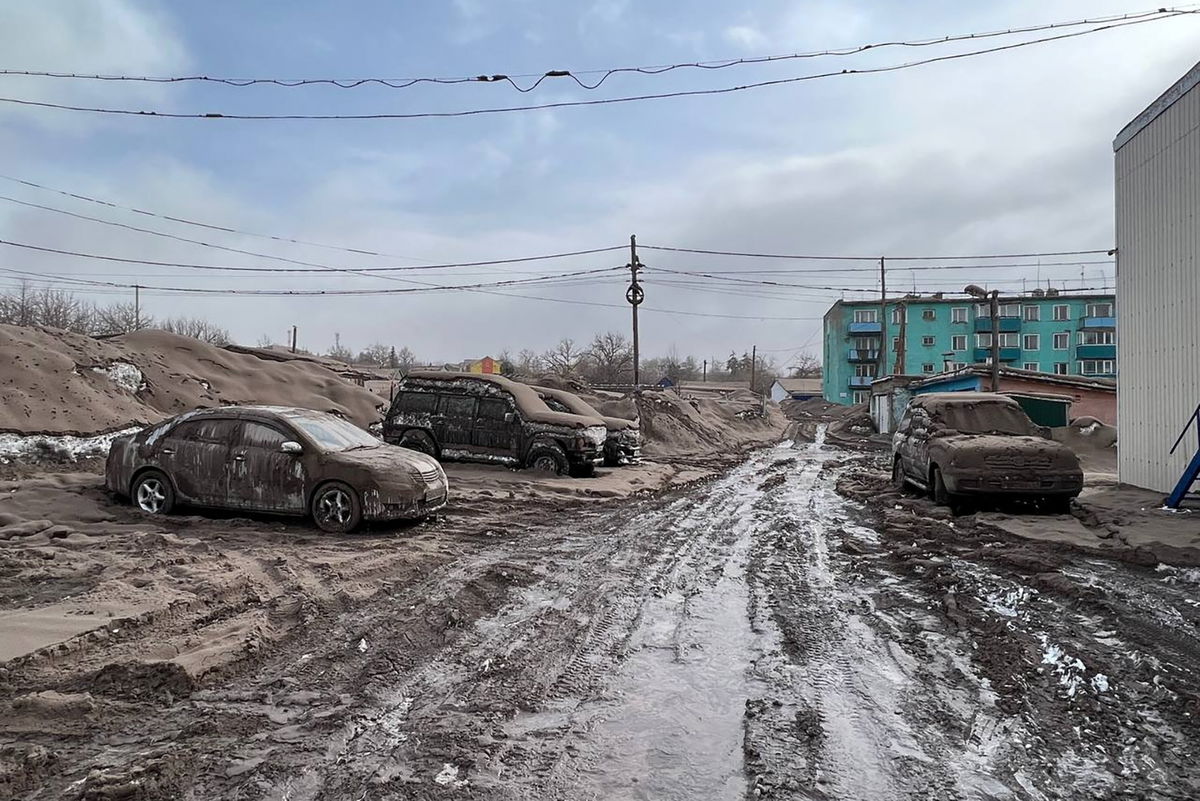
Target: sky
(1009,152)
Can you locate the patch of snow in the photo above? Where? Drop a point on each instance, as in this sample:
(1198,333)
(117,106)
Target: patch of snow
(52,448)
(1100,683)
(1089,430)
(1069,669)
(448,776)
(362,645)
(1008,603)
(124,375)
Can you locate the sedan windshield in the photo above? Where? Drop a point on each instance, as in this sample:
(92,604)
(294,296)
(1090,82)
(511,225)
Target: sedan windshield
(333,434)
(985,418)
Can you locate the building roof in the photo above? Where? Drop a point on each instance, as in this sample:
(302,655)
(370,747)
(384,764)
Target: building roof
(800,384)
(1074,381)
(1167,99)
(962,300)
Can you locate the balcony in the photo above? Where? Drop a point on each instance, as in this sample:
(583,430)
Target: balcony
(1006,354)
(983,325)
(856,355)
(1095,351)
(865,328)
(1098,322)
(861,381)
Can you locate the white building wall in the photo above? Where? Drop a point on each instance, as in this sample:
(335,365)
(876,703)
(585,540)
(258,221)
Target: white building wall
(1158,286)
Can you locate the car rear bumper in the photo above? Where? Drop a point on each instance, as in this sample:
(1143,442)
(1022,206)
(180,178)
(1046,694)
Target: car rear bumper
(1066,484)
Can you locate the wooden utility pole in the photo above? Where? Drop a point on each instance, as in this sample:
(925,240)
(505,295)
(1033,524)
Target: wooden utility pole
(635,294)
(753,365)
(293,339)
(884,345)
(901,366)
(704,375)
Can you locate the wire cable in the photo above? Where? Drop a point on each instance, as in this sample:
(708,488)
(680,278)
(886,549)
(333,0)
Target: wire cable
(599,102)
(605,74)
(810,257)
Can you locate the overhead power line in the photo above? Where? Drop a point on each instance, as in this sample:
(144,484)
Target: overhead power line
(1166,14)
(538,78)
(368,270)
(811,257)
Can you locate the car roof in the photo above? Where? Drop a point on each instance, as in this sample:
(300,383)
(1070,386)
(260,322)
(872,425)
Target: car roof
(940,400)
(254,410)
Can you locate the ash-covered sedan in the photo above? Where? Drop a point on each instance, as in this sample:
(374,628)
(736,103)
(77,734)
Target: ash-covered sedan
(274,459)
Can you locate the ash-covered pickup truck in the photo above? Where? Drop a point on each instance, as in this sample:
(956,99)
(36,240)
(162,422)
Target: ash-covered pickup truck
(959,445)
(487,418)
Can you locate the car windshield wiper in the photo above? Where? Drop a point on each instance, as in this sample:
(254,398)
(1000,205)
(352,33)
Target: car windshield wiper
(360,447)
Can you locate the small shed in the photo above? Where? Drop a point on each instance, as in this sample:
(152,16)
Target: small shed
(795,389)
(486,366)
(1044,409)
(889,398)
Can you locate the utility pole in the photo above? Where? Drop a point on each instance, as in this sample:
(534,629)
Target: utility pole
(635,295)
(995,308)
(704,376)
(883,321)
(137,307)
(293,339)
(900,345)
(753,365)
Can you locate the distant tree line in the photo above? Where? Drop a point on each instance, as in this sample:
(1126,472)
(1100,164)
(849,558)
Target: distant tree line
(55,308)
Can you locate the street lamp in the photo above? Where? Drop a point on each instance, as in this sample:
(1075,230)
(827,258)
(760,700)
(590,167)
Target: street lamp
(977,291)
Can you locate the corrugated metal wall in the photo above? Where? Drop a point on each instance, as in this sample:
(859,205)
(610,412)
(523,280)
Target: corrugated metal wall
(1158,293)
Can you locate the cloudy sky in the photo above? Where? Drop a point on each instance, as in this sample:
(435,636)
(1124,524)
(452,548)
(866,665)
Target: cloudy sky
(1003,153)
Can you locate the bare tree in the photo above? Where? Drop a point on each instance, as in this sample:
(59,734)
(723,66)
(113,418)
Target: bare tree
(18,307)
(377,354)
(120,318)
(528,362)
(197,329)
(340,351)
(805,365)
(404,359)
(563,359)
(610,359)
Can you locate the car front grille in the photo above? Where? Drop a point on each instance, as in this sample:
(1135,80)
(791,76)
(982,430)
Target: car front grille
(431,476)
(1016,462)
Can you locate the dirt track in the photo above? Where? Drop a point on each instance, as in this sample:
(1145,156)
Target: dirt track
(754,635)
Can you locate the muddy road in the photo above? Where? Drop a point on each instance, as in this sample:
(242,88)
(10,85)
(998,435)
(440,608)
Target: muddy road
(758,635)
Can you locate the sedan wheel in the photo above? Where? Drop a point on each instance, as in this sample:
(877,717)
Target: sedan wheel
(153,494)
(336,509)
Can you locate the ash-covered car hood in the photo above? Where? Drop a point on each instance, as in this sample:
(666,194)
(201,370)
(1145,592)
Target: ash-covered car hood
(579,406)
(995,450)
(385,458)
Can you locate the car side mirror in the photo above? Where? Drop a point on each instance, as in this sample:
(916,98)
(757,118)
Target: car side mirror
(291,447)
(509,417)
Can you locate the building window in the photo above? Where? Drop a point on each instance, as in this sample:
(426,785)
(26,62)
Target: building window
(926,368)
(983,340)
(866,343)
(983,310)
(1008,340)
(928,314)
(895,344)
(1060,368)
(958,314)
(1099,310)
(960,365)
(1097,338)
(865,316)
(1098,367)
(1031,366)
(1062,341)
(1010,310)
(927,341)
(866,370)
(1031,342)
(860,396)
(897,315)
(1033,314)
(1062,312)
(958,342)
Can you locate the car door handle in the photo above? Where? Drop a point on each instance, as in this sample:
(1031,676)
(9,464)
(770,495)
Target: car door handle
(241,457)
(167,451)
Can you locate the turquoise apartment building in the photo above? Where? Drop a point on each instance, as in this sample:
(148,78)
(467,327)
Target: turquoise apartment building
(1044,331)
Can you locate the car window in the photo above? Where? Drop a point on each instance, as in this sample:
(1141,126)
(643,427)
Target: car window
(492,409)
(258,435)
(457,406)
(218,431)
(555,404)
(421,402)
(986,418)
(332,433)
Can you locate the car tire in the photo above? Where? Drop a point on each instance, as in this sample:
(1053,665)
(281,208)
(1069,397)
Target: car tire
(937,487)
(152,493)
(550,459)
(416,440)
(336,508)
(899,482)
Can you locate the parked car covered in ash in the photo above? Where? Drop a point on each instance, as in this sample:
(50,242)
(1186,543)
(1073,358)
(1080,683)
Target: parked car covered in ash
(274,459)
(624,442)
(488,418)
(958,445)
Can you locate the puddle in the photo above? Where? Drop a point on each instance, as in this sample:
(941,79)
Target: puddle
(674,728)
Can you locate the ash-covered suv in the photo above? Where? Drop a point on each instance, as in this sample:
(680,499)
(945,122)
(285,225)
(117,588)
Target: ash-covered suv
(957,445)
(488,418)
(624,443)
